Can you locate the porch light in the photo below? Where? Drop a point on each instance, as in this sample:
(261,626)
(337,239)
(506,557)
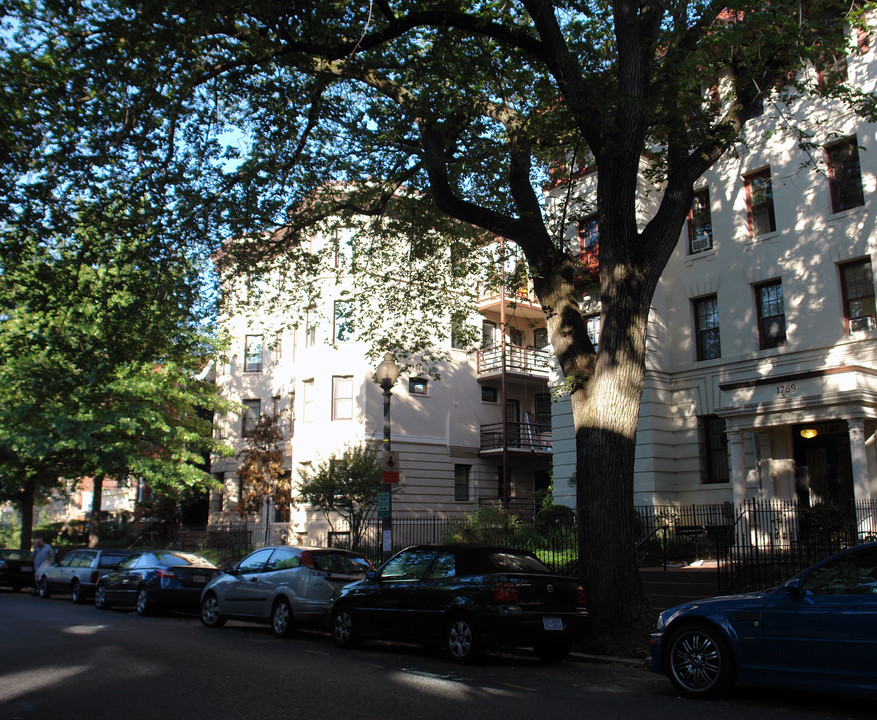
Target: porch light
(387,372)
(808,433)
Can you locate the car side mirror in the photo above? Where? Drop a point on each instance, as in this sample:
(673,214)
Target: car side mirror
(793,587)
(372,575)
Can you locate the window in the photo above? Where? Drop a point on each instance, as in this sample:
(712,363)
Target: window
(310,330)
(540,338)
(489,394)
(771,315)
(700,224)
(418,386)
(252,413)
(307,392)
(857,284)
(593,325)
(461,482)
(253,353)
(844,175)
(488,333)
(543,412)
(343,328)
(589,233)
(277,347)
(706,328)
(759,201)
(458,334)
(342,397)
(713,449)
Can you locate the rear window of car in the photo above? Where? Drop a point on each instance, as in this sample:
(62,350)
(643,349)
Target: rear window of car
(341,563)
(108,560)
(14,555)
(517,563)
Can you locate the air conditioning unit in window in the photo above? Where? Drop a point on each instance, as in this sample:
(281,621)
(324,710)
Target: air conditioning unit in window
(862,324)
(700,244)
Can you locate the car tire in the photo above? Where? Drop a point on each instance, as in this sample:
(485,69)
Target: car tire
(143,605)
(76,593)
(344,631)
(210,615)
(699,662)
(100,598)
(282,621)
(43,588)
(553,652)
(463,640)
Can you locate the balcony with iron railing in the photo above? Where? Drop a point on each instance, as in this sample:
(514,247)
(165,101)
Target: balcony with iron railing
(521,437)
(589,262)
(519,360)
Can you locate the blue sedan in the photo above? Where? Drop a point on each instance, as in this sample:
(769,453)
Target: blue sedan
(816,632)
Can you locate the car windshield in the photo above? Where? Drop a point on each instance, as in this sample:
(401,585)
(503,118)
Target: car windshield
(509,561)
(341,563)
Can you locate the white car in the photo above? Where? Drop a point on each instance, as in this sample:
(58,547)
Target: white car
(282,585)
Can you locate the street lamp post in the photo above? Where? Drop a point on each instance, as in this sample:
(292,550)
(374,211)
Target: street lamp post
(386,376)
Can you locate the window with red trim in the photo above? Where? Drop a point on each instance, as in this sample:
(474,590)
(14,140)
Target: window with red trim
(759,203)
(844,175)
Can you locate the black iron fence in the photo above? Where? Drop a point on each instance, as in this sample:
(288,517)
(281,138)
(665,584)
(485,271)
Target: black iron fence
(755,545)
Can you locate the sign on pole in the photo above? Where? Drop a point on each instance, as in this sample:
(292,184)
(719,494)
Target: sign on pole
(390,468)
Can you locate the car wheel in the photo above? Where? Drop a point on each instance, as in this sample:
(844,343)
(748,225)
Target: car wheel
(210,615)
(699,662)
(553,652)
(143,606)
(76,593)
(100,598)
(282,621)
(43,587)
(463,640)
(344,628)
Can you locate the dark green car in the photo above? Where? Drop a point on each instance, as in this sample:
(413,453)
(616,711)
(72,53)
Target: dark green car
(467,598)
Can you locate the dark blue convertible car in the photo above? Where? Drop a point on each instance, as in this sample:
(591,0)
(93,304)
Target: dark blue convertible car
(816,632)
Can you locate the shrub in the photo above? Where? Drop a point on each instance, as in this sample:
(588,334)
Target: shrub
(553,518)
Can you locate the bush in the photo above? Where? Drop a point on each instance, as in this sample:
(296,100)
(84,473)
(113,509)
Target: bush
(553,518)
(488,524)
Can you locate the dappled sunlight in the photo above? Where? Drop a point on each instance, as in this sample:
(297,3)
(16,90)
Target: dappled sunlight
(83,629)
(16,685)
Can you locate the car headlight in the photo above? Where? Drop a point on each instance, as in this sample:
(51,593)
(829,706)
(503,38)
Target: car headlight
(662,621)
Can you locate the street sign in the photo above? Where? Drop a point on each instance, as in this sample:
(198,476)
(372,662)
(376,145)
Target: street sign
(383,504)
(390,468)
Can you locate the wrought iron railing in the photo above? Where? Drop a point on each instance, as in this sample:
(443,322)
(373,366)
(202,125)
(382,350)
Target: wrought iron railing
(518,359)
(520,436)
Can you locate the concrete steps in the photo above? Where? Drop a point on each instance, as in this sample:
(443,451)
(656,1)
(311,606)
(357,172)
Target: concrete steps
(665,588)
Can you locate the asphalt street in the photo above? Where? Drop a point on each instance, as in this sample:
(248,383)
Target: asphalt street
(60,661)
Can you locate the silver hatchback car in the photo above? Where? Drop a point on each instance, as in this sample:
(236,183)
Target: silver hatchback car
(282,585)
(78,571)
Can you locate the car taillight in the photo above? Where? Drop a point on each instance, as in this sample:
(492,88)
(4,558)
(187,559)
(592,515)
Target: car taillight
(167,574)
(307,559)
(505,592)
(580,596)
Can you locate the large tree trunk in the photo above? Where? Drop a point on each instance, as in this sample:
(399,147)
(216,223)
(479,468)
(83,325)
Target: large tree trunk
(25,507)
(94,525)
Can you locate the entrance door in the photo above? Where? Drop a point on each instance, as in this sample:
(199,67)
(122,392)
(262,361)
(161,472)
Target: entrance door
(823,465)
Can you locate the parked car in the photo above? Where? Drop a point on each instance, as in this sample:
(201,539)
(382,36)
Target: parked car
(818,632)
(16,568)
(281,585)
(466,597)
(78,571)
(156,580)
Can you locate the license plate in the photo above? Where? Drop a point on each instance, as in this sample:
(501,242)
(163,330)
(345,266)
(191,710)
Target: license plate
(27,568)
(552,623)
(199,578)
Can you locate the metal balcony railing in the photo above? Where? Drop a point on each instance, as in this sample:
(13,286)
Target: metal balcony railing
(527,361)
(521,436)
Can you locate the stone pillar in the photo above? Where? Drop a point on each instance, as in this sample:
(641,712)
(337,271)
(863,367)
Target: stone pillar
(738,469)
(859,458)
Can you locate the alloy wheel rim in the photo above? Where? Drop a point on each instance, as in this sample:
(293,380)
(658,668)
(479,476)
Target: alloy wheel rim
(210,610)
(281,618)
(342,626)
(696,661)
(460,639)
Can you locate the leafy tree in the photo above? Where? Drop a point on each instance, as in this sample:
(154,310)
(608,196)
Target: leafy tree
(99,349)
(345,485)
(236,117)
(264,479)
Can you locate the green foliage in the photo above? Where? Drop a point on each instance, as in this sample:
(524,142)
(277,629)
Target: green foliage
(553,518)
(489,524)
(345,485)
